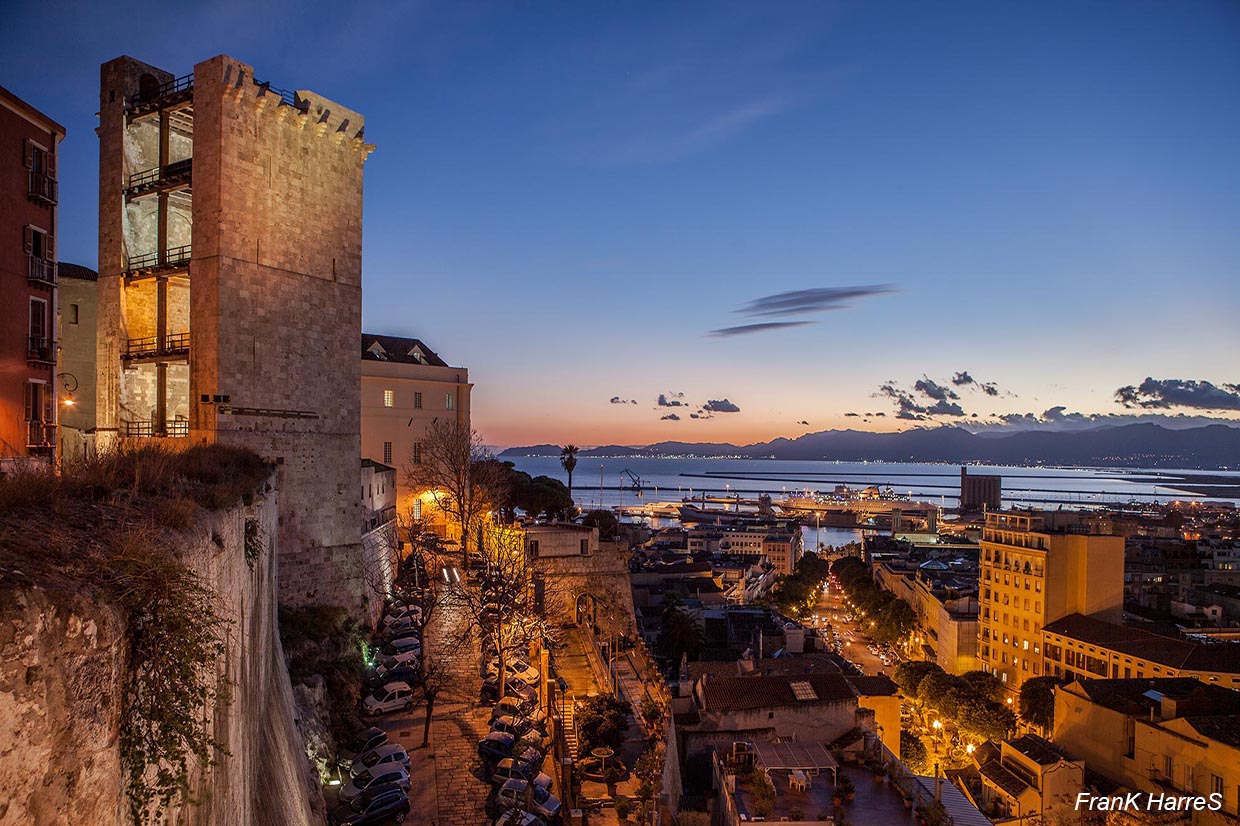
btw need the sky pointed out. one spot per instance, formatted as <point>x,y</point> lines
<point>774,214</point>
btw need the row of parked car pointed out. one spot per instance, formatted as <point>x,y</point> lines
<point>377,790</point>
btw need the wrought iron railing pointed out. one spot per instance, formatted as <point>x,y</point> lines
<point>166,89</point>
<point>42,271</point>
<point>286,97</point>
<point>40,348</point>
<point>147,346</point>
<point>172,258</point>
<point>40,434</point>
<point>172,173</point>
<point>174,429</point>
<point>42,187</point>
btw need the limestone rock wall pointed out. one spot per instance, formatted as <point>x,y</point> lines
<point>62,670</point>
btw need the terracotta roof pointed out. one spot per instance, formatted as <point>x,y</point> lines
<point>1137,697</point>
<point>873,686</point>
<point>1000,777</point>
<point>763,691</point>
<point>67,270</point>
<point>1221,729</point>
<point>1173,652</point>
<point>399,350</point>
<point>1036,749</point>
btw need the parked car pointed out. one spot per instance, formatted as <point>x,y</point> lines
<point>509,767</point>
<point>516,726</point>
<point>496,746</point>
<point>401,645</point>
<point>388,773</point>
<point>400,634</point>
<point>390,661</point>
<point>393,696</point>
<point>402,673</point>
<point>516,817</point>
<point>517,707</point>
<point>541,802</point>
<point>364,740</point>
<point>390,803</point>
<point>397,613</point>
<point>520,670</point>
<point>534,739</point>
<point>387,753</point>
<point>515,688</point>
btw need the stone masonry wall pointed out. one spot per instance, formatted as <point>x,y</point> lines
<point>62,671</point>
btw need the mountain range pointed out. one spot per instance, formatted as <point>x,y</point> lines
<point>1133,445</point>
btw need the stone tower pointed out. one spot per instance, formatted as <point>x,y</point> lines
<point>230,251</point>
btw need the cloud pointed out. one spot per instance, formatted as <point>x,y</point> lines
<point>803,422</point>
<point>618,400</point>
<point>963,379</point>
<point>816,300</point>
<point>932,389</point>
<point>854,414</point>
<point>670,417</point>
<point>1059,418</point>
<point>909,408</point>
<point>700,416</point>
<point>671,400</point>
<point>1160,394</point>
<point>945,408</point>
<point>745,329</point>
<point>720,406</point>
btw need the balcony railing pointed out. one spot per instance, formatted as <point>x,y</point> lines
<point>40,435</point>
<point>176,87</point>
<point>43,188</point>
<point>175,344</point>
<point>41,271</point>
<point>174,258</point>
<point>41,349</point>
<point>150,179</point>
<point>287,98</point>
<point>174,429</point>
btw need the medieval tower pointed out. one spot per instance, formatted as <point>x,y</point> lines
<point>230,251</point>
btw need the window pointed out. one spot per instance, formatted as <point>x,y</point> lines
<point>387,453</point>
<point>532,548</point>
<point>417,453</point>
<point>417,508</point>
<point>40,160</point>
<point>449,401</point>
<point>73,314</point>
<point>38,402</point>
<point>585,547</point>
<point>389,398</point>
<point>417,400</point>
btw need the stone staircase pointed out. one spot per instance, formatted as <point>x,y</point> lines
<point>570,726</point>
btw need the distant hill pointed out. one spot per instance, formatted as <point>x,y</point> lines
<point>1133,445</point>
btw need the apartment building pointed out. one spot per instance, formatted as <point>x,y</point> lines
<point>230,291</point>
<point>28,224</point>
<point>76,365</point>
<point>1164,736</point>
<point>405,386</point>
<point>1035,568</point>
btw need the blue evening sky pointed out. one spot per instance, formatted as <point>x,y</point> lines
<point>566,198</point>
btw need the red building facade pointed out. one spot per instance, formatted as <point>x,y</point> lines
<point>29,144</point>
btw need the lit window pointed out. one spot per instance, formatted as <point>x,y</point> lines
<point>389,398</point>
<point>417,508</point>
<point>417,453</point>
<point>417,399</point>
<point>449,401</point>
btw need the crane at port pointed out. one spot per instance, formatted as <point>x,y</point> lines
<point>635,482</point>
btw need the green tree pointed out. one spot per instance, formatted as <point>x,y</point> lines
<point>908,675</point>
<point>680,634</point>
<point>568,461</point>
<point>603,721</point>
<point>984,684</point>
<point>986,720</point>
<point>1037,701</point>
<point>913,753</point>
<point>605,521</point>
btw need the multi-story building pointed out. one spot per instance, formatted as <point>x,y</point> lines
<point>28,198</point>
<point>230,291</point>
<point>1176,737</point>
<point>1036,569</point>
<point>405,387</point>
<point>980,491</point>
<point>1028,778</point>
<point>1080,646</point>
<point>782,547</point>
<point>77,367</point>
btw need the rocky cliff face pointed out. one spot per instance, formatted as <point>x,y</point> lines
<point>64,659</point>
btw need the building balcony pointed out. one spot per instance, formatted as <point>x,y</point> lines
<point>42,189</point>
<point>160,178</point>
<point>41,272</point>
<point>173,259</point>
<point>40,349</point>
<point>40,436</point>
<point>173,347</point>
<point>170,93</point>
<point>174,430</point>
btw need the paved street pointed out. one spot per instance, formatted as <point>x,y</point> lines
<point>831,609</point>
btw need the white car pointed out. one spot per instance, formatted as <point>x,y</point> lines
<point>389,773</point>
<point>395,696</point>
<point>541,802</point>
<point>402,613</point>
<point>515,817</point>
<point>516,707</point>
<point>510,768</point>
<point>389,661</point>
<point>523,671</point>
<point>387,753</point>
<point>395,647</point>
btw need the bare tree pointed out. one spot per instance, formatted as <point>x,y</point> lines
<point>460,475</point>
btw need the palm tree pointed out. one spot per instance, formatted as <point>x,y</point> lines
<point>568,460</point>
